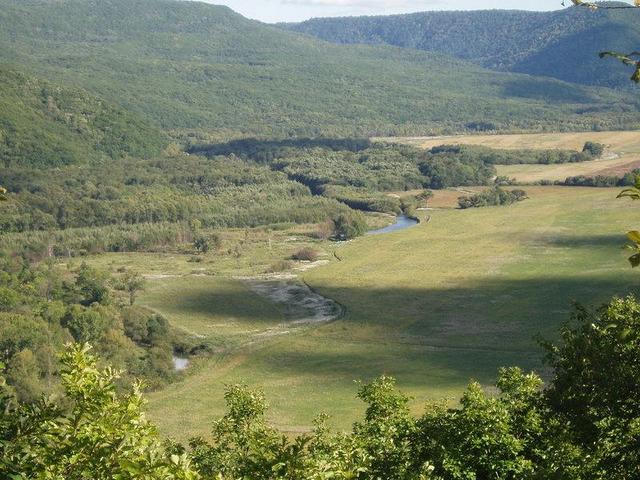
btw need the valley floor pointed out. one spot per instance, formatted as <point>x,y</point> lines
<point>622,152</point>
<point>433,305</point>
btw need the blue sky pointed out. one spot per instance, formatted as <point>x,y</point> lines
<point>296,10</point>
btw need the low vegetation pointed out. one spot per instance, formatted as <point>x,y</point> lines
<point>494,196</point>
<point>305,253</point>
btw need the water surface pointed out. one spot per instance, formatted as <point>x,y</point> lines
<point>180,363</point>
<point>402,222</point>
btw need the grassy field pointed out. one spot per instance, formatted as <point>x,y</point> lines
<point>623,152</point>
<point>434,305</point>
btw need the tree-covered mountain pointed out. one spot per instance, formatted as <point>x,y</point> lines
<point>203,72</point>
<point>563,44</point>
<point>42,124</point>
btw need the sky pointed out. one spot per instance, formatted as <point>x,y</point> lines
<point>297,10</point>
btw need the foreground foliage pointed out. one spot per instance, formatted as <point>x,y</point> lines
<point>584,425</point>
<point>95,434</point>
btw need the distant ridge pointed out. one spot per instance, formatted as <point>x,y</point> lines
<point>563,44</point>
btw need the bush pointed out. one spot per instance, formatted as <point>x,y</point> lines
<point>279,266</point>
<point>305,253</point>
<point>325,230</point>
<point>201,244</point>
<point>602,180</point>
<point>493,196</point>
<point>349,226</point>
<point>594,149</point>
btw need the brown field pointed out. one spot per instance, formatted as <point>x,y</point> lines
<point>622,154</point>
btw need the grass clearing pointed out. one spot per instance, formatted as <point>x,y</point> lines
<point>622,155</point>
<point>433,305</point>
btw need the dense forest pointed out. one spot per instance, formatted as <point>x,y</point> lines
<point>129,204</point>
<point>563,44</point>
<point>202,72</point>
<point>44,125</point>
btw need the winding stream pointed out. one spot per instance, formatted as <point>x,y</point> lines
<point>402,222</point>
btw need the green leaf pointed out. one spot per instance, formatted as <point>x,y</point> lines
<point>634,236</point>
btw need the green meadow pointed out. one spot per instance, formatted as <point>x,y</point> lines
<point>435,305</point>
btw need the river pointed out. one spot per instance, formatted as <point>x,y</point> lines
<point>402,222</point>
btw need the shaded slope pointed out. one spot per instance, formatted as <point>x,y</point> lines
<point>563,44</point>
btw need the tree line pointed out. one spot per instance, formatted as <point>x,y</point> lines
<point>45,306</point>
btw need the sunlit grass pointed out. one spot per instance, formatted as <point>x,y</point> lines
<point>433,305</point>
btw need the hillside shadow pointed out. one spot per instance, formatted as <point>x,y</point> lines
<point>584,241</point>
<point>266,150</point>
<point>546,90</point>
<point>474,314</point>
<point>448,333</point>
<point>438,334</point>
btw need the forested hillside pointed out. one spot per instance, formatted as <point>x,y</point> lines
<point>563,44</point>
<point>202,71</point>
<point>46,125</point>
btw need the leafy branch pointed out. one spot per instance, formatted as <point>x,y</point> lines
<point>3,194</point>
<point>600,6</point>
<point>634,194</point>
<point>625,58</point>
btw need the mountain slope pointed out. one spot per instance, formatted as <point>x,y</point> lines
<point>563,44</point>
<point>192,67</point>
<point>42,124</point>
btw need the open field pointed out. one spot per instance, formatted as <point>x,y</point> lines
<point>434,305</point>
<point>532,173</point>
<point>622,154</point>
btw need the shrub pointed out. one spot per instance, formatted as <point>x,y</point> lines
<point>201,244</point>
<point>305,253</point>
<point>349,226</point>
<point>325,230</point>
<point>594,149</point>
<point>279,266</point>
<point>493,196</point>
